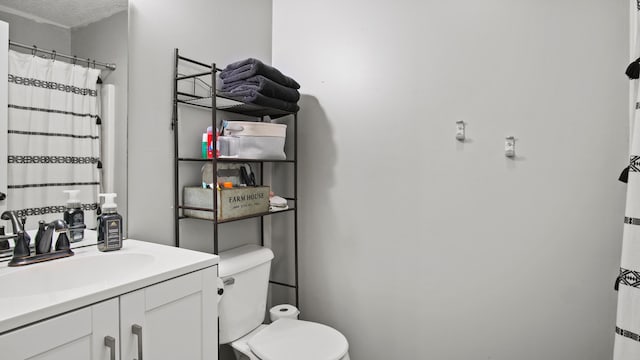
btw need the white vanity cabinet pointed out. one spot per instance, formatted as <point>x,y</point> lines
<point>78,335</point>
<point>173,319</point>
<point>176,319</point>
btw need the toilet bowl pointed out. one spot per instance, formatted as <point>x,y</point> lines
<point>287,339</point>
<point>245,274</point>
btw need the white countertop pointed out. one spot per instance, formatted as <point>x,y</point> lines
<point>25,298</point>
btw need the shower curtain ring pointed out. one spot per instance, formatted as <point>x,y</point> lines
<point>53,55</point>
<point>94,63</point>
<point>34,50</point>
<point>75,59</point>
<point>88,62</point>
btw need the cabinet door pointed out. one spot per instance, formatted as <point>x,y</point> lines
<point>176,319</point>
<point>77,335</point>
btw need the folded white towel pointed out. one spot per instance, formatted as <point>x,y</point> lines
<point>277,203</point>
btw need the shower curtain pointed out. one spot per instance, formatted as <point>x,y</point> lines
<point>627,338</point>
<point>53,137</point>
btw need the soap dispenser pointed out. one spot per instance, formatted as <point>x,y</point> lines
<point>74,216</point>
<point>109,225</point>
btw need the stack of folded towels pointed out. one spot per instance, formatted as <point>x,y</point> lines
<point>252,81</point>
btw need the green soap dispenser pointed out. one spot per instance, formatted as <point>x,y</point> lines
<point>109,225</point>
<point>74,216</point>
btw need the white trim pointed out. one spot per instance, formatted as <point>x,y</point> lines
<point>4,112</point>
<point>31,17</point>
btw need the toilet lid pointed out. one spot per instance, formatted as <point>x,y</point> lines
<point>288,339</point>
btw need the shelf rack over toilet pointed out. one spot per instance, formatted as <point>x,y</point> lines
<point>215,102</point>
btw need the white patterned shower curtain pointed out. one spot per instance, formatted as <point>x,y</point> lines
<point>627,338</point>
<point>53,137</point>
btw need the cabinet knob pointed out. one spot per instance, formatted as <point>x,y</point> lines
<point>110,342</point>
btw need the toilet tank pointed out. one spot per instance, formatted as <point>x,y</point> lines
<point>245,271</point>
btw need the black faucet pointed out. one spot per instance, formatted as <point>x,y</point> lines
<point>44,238</point>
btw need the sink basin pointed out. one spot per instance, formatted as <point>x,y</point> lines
<point>75,272</point>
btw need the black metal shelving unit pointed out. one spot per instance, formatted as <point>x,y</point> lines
<point>214,102</point>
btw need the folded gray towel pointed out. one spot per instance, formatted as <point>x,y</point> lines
<point>247,68</point>
<point>264,86</point>
<point>254,97</point>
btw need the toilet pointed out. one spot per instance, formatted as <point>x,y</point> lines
<point>245,273</point>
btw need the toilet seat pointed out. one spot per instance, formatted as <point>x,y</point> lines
<point>288,339</point>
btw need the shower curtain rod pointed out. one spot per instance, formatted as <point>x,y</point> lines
<point>55,54</point>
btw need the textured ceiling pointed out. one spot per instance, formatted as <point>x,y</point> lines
<point>68,13</point>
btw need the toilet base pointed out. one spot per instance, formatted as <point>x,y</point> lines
<point>241,347</point>
<point>251,356</point>
<point>243,356</point>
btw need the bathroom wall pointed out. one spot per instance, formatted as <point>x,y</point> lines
<point>106,40</point>
<point>218,31</point>
<point>417,246</point>
<point>43,35</point>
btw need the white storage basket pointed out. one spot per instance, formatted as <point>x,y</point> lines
<point>258,140</point>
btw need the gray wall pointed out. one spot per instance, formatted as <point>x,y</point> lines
<point>42,35</point>
<point>416,246</point>
<point>106,41</point>
<point>206,31</point>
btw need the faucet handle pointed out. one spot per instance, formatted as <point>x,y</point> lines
<point>63,242</point>
<point>23,221</point>
<point>21,248</point>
